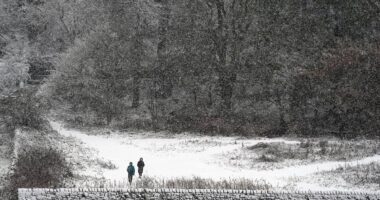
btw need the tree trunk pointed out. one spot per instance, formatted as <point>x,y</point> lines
<point>136,92</point>
<point>195,97</point>
<point>163,73</point>
<point>283,126</point>
<point>226,76</point>
<point>108,119</point>
<point>226,84</point>
<point>138,53</point>
<point>210,101</point>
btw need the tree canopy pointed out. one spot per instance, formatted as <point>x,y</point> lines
<point>233,66</point>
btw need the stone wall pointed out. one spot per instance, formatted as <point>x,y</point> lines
<point>179,194</point>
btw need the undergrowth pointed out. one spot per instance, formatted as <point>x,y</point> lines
<point>360,174</point>
<point>315,150</point>
<point>180,183</point>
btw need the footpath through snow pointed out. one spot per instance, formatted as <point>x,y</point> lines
<point>177,157</point>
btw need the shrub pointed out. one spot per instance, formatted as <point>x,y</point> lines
<point>260,145</point>
<point>106,164</point>
<point>323,144</point>
<point>306,144</point>
<point>267,158</point>
<point>6,194</point>
<point>23,109</point>
<point>139,124</point>
<point>40,167</point>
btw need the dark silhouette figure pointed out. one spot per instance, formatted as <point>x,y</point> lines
<point>140,166</point>
<point>131,172</point>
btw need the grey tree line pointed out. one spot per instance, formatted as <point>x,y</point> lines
<point>252,67</point>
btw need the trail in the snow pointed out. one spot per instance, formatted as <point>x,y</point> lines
<point>175,157</point>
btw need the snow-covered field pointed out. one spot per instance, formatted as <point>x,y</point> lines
<point>188,156</point>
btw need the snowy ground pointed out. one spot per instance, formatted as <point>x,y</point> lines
<point>187,156</point>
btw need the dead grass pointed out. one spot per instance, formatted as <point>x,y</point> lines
<point>366,176</point>
<point>277,155</point>
<point>315,150</point>
<point>179,183</point>
<point>360,174</point>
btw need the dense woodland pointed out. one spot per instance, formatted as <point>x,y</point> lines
<point>249,67</point>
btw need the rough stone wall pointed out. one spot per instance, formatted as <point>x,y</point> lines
<point>179,194</point>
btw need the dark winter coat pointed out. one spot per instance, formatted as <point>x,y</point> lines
<point>141,164</point>
<point>131,170</point>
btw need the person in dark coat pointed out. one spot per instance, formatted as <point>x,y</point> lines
<point>131,172</point>
<point>140,166</point>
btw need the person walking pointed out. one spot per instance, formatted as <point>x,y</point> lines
<point>140,166</point>
<point>131,172</point>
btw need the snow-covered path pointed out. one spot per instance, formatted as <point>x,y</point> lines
<point>188,156</point>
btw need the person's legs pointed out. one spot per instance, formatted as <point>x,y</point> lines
<point>130,179</point>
